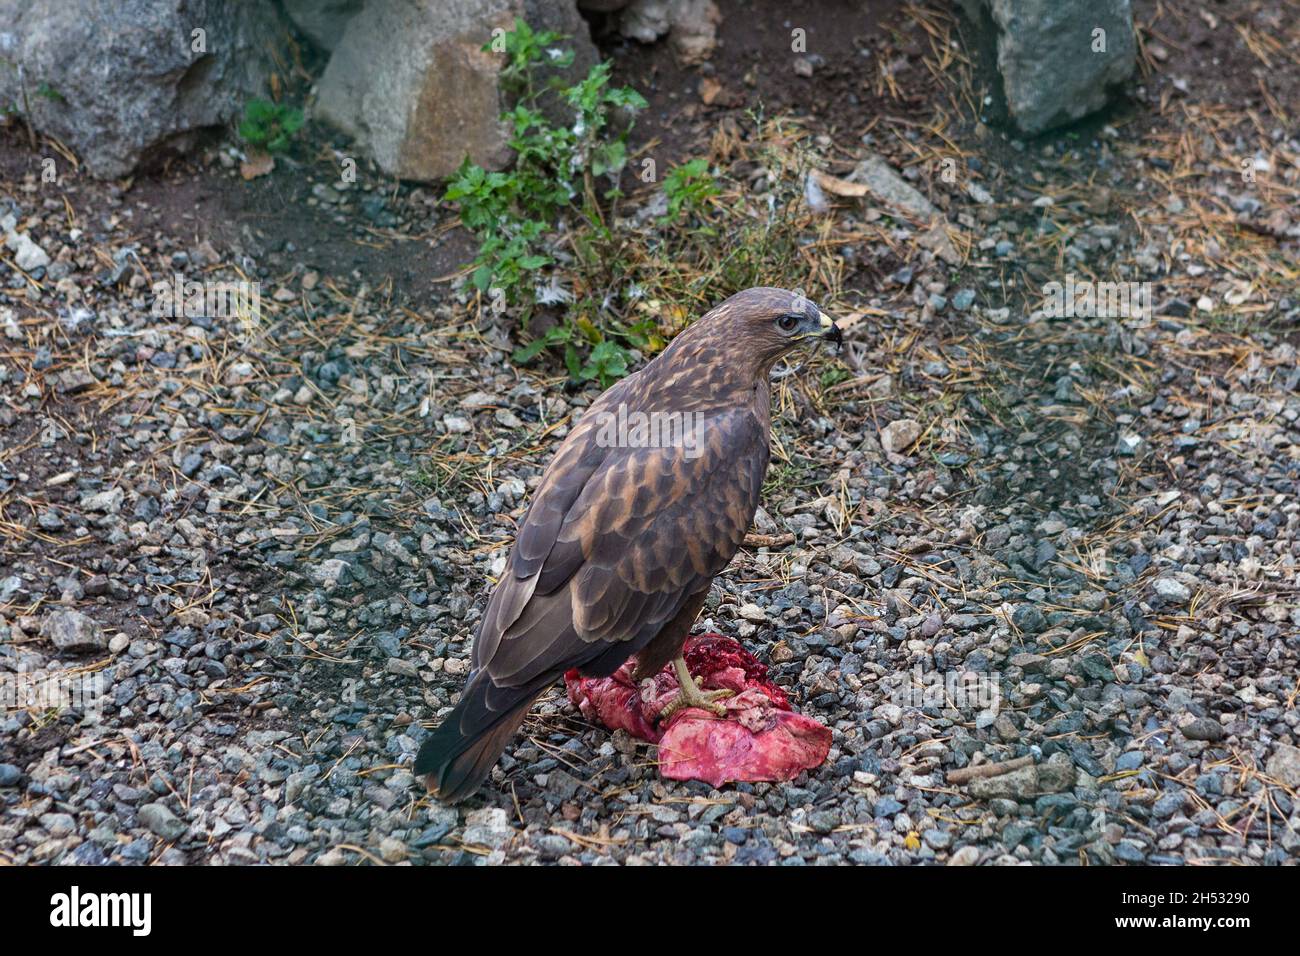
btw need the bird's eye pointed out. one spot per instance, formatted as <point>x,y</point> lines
<point>787,323</point>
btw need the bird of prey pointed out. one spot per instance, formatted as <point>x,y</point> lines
<point>622,539</point>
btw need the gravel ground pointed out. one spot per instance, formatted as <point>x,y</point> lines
<point>271,544</point>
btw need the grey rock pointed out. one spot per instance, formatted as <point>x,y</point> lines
<point>108,501</point>
<point>1168,804</point>
<point>1055,68</point>
<point>322,21</point>
<point>487,827</point>
<point>58,824</point>
<point>1284,765</point>
<point>1171,590</point>
<point>162,821</point>
<point>28,255</point>
<point>937,839</point>
<point>1029,619</point>
<point>1129,852</point>
<point>1129,760</point>
<point>330,573</point>
<point>552,846</point>
<point>1203,728</point>
<point>71,630</point>
<point>10,586</point>
<point>125,79</point>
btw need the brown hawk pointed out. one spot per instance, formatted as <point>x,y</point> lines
<point>626,531</point>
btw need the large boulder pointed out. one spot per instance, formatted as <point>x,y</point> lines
<point>322,21</point>
<point>116,81</point>
<point>691,26</point>
<point>1059,59</point>
<point>410,81</point>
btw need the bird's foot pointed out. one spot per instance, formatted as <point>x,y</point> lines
<point>690,695</point>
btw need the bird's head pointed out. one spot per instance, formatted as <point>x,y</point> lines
<point>771,321</point>
<point>741,338</point>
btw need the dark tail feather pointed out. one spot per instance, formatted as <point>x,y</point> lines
<point>459,755</point>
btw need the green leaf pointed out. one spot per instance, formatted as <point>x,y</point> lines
<point>526,353</point>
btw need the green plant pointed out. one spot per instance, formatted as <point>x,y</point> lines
<point>688,187</point>
<point>524,49</point>
<point>269,125</point>
<point>556,168</point>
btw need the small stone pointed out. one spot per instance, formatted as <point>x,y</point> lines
<point>1203,728</point>
<point>58,824</point>
<point>887,807</point>
<point>966,856</point>
<point>1129,445</point>
<point>487,827</point>
<point>330,573</point>
<point>401,668</point>
<point>899,435</point>
<point>562,785</point>
<point>1129,760</point>
<point>552,846</point>
<point>1029,619</point>
<point>1029,663</point>
<point>71,630</point>
<point>937,839</point>
<point>1169,804</point>
<point>388,642</point>
<point>1129,852</point>
<point>823,821</point>
<point>107,502</point>
<point>1172,590</point>
<point>27,254</point>
<point>162,821</point>
<point>1284,765</point>
<point>326,193</point>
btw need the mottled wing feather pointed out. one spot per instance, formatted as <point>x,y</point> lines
<point>643,531</point>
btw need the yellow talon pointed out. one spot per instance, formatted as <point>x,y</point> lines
<point>690,695</point>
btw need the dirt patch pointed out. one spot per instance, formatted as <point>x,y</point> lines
<point>756,69</point>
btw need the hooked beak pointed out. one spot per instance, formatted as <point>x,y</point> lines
<point>830,331</point>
